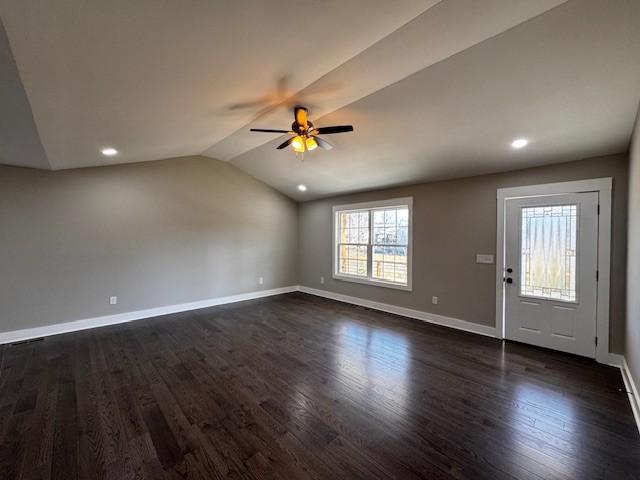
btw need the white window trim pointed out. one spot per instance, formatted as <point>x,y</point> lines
<point>394,202</point>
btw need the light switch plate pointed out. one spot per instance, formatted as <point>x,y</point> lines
<point>484,258</point>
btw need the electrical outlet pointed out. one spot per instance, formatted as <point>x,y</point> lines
<point>322,280</point>
<point>113,300</point>
<point>434,300</point>
<point>260,280</point>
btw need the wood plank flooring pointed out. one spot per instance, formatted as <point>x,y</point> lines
<point>299,387</point>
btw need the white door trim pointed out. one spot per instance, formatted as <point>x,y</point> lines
<point>603,187</point>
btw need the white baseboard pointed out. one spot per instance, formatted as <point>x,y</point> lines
<point>37,332</point>
<point>406,312</point>
<point>632,390</point>
<point>615,360</point>
<point>630,385</point>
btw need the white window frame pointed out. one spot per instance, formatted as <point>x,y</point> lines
<point>369,280</point>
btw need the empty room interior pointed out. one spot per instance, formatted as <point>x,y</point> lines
<point>357,239</point>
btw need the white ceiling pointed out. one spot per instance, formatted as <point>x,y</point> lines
<point>157,79</point>
<point>434,89</point>
<point>569,81</point>
<point>19,139</point>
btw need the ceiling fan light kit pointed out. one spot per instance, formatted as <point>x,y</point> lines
<point>304,135</point>
<point>311,144</point>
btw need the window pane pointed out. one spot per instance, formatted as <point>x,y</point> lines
<point>548,256</point>
<point>389,240</point>
<point>363,235</point>
<point>400,255</point>
<point>389,271</point>
<point>362,268</point>
<point>403,235</point>
<point>390,218</point>
<point>354,232</point>
<point>354,227</point>
<point>378,234</point>
<point>353,267</point>
<point>378,269</point>
<point>390,235</point>
<point>343,235</point>
<point>400,273</point>
<point>391,227</point>
<point>344,221</point>
<point>342,265</point>
<point>403,217</point>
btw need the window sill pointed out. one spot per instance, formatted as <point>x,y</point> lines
<point>373,283</point>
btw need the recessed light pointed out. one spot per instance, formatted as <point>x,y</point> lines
<point>520,143</point>
<point>109,152</point>
<point>302,188</point>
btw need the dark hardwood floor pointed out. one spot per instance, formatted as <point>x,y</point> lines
<point>301,387</point>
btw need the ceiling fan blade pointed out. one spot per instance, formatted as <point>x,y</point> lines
<point>334,129</point>
<point>285,144</point>
<point>269,130</point>
<point>323,143</point>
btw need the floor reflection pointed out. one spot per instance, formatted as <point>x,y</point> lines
<point>541,422</point>
<point>372,366</point>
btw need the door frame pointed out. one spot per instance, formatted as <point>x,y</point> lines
<point>603,187</point>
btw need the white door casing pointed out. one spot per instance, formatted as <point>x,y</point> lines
<point>551,248</point>
<point>603,186</point>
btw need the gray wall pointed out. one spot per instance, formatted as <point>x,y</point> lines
<point>632,347</point>
<point>453,221</point>
<point>187,229</point>
<point>154,234</point>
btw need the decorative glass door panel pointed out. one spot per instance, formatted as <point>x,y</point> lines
<point>548,252</point>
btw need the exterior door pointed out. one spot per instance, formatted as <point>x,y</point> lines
<point>551,247</point>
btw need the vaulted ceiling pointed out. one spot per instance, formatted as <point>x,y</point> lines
<point>435,89</point>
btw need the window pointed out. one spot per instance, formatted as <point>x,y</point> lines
<point>548,256</point>
<point>372,243</point>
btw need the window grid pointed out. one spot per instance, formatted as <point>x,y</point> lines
<point>373,244</point>
<point>353,244</point>
<point>390,244</point>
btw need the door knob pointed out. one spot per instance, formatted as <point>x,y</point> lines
<point>509,270</point>
<point>509,280</point>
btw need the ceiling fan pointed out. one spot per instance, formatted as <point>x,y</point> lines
<point>304,135</point>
